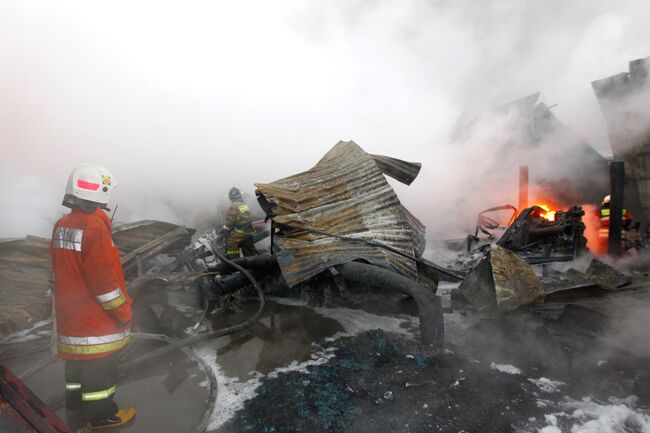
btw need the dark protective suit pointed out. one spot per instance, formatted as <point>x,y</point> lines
<point>240,225</point>
<point>603,231</point>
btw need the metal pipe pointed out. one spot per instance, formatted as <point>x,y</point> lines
<point>523,187</point>
<point>551,230</point>
<point>617,182</point>
<point>432,327</point>
<point>232,283</point>
<point>431,320</point>
<point>544,260</point>
<point>264,262</point>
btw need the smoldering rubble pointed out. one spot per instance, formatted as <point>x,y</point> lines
<point>346,321</point>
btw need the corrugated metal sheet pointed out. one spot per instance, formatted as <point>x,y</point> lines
<point>405,172</point>
<point>344,195</point>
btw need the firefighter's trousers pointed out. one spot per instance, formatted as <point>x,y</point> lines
<point>236,241</point>
<point>90,387</point>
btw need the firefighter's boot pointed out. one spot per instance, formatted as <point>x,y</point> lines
<point>122,417</point>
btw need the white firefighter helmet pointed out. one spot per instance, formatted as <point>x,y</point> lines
<point>90,182</point>
<point>606,199</point>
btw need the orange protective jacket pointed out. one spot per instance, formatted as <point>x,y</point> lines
<point>93,309</point>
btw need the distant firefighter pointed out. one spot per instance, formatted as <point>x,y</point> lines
<point>238,227</point>
<point>93,309</point>
<point>603,231</point>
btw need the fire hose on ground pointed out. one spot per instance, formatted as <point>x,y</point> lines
<point>208,335</point>
<point>430,313</point>
<point>429,310</point>
<point>179,344</point>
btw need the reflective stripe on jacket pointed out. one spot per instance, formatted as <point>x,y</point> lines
<point>605,214</point>
<point>93,310</point>
<point>603,231</point>
<point>239,219</point>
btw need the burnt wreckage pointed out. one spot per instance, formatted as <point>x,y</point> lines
<point>339,227</point>
<point>499,272</point>
<point>334,226</point>
<point>538,235</point>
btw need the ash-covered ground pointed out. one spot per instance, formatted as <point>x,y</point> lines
<point>301,368</point>
<point>522,372</point>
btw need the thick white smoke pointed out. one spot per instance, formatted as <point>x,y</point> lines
<point>181,100</point>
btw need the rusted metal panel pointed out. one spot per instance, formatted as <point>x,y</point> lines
<point>344,196</point>
<point>515,282</point>
<point>405,172</point>
<point>502,281</point>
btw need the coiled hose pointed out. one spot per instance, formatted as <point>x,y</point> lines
<point>178,344</point>
<point>208,335</point>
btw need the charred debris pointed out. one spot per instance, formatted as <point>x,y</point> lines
<point>334,226</point>
<point>338,235</point>
<point>335,235</point>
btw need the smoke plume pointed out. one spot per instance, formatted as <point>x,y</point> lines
<point>181,101</point>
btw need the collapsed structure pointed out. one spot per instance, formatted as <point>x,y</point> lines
<point>500,280</point>
<point>562,164</point>
<point>625,101</point>
<point>342,210</point>
<point>341,221</point>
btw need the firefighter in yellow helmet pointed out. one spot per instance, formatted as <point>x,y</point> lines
<point>238,227</point>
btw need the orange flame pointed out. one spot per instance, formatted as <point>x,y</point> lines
<point>549,214</point>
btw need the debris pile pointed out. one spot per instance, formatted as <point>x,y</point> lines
<point>541,235</point>
<point>534,329</point>
<point>342,210</point>
<point>337,223</point>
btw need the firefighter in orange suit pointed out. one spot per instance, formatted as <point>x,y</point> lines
<point>93,309</point>
<point>238,227</point>
<point>603,231</point>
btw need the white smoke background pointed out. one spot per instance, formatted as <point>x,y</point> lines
<point>182,100</point>
<point>627,113</point>
<point>26,206</point>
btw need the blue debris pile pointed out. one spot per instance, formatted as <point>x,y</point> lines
<point>377,383</point>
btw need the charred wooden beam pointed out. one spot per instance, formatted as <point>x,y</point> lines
<point>523,187</point>
<point>617,179</point>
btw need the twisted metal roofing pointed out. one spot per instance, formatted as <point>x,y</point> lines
<point>344,196</point>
